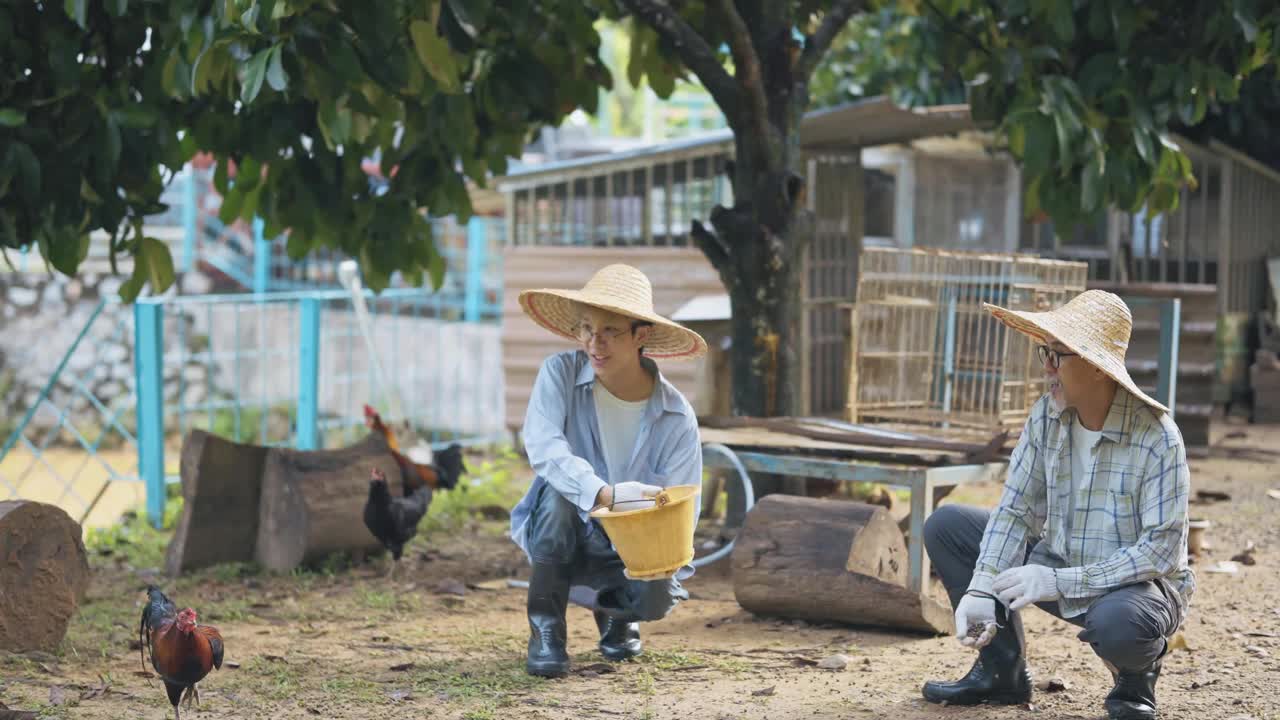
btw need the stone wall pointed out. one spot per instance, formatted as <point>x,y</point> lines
<point>449,373</point>
<point>40,318</point>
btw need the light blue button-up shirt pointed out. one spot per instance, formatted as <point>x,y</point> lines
<point>562,439</point>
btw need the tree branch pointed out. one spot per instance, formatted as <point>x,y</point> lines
<point>817,44</point>
<point>692,49</point>
<point>747,68</point>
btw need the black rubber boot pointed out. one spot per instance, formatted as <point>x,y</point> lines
<point>1134,696</point>
<point>548,599</point>
<point>618,640</point>
<point>999,676</point>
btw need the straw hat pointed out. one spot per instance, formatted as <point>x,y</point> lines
<point>619,289</point>
<point>1095,325</point>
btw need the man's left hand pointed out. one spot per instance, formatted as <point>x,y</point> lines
<point>1019,587</point>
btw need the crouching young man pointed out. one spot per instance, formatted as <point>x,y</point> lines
<point>603,428</point>
<point>1092,526</point>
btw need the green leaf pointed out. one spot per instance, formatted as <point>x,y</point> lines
<point>255,71</point>
<point>1146,149</point>
<point>28,170</point>
<point>159,262</point>
<point>249,19</point>
<point>1064,23</point>
<point>248,173</point>
<point>470,14</point>
<point>12,117</point>
<point>67,251</point>
<point>436,55</point>
<point>118,8</point>
<point>1091,182</point>
<point>220,171</point>
<point>1039,144</point>
<point>232,201</point>
<point>277,78</point>
<point>1244,15</point>
<point>78,11</point>
<point>88,193</point>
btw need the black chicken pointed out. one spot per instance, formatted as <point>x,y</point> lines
<point>394,520</point>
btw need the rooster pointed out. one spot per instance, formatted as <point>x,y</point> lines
<point>420,467</point>
<point>182,652</point>
<point>394,520</point>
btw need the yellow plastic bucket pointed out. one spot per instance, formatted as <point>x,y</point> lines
<point>654,541</point>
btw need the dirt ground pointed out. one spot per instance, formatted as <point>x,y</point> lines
<point>447,640</point>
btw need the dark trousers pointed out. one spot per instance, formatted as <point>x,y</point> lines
<point>557,535</point>
<point>1127,627</point>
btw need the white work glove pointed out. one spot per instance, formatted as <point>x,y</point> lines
<point>630,496</point>
<point>1019,587</point>
<point>975,611</point>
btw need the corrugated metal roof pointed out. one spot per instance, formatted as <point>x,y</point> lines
<point>865,123</point>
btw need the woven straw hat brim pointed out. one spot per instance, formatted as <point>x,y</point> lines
<point>557,311</point>
<point>1077,326</point>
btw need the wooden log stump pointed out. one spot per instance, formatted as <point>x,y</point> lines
<point>829,560</point>
<point>312,503</point>
<point>221,483</point>
<point>44,573</point>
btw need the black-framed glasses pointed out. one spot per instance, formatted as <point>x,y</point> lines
<point>1051,356</point>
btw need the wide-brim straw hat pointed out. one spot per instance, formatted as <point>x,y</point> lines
<point>619,289</point>
<point>1095,325</point>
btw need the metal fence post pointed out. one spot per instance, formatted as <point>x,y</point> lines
<point>261,257</point>
<point>190,199</point>
<point>309,375</point>
<point>148,362</point>
<point>1167,374</point>
<point>477,252</point>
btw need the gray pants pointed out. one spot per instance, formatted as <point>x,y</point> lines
<point>557,535</point>
<point>1127,627</point>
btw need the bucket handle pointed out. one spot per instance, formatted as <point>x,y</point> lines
<point>658,500</point>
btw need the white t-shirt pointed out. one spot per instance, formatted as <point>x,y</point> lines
<point>1082,441</point>
<point>619,425</point>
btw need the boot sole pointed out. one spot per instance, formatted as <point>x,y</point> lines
<point>547,670</point>
<point>993,699</point>
<point>619,655</point>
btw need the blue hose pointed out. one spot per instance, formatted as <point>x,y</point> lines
<point>749,498</point>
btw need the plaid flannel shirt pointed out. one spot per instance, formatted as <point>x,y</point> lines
<point>1129,522</point>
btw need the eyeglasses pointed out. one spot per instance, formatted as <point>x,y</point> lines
<point>1051,356</point>
<point>606,334</point>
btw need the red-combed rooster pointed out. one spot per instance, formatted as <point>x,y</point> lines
<point>442,470</point>
<point>182,652</point>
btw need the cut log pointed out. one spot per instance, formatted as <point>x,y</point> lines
<point>44,573</point>
<point>312,502</point>
<point>221,482</point>
<point>830,561</point>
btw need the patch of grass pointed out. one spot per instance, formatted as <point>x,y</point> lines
<point>490,486</point>
<point>349,688</point>
<point>133,540</point>
<point>275,680</point>
<point>490,681</point>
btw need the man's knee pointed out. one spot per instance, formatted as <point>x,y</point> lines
<point>656,599</point>
<point>553,531</point>
<point>1123,633</point>
<point>941,527</point>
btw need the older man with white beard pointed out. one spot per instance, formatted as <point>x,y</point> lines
<point>1091,527</point>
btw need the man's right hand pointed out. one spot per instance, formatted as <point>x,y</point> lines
<point>632,494</point>
<point>974,611</point>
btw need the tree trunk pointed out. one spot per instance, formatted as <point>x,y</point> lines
<point>44,574</point>
<point>829,560</point>
<point>313,502</point>
<point>221,485</point>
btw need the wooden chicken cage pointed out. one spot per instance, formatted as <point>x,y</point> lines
<point>923,350</point>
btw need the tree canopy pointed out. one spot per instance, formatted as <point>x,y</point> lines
<point>1084,94</point>
<point>102,100</point>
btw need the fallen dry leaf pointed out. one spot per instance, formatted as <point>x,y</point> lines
<point>1053,684</point>
<point>1258,651</point>
<point>398,695</point>
<point>834,662</point>
<point>102,688</point>
<point>450,586</point>
<point>1224,567</point>
<point>764,692</point>
<point>499,584</point>
<point>1212,496</point>
<point>598,668</point>
<point>275,658</point>
<point>1273,494</point>
<point>403,667</point>
<point>232,665</point>
<point>57,696</point>
<point>1206,683</point>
